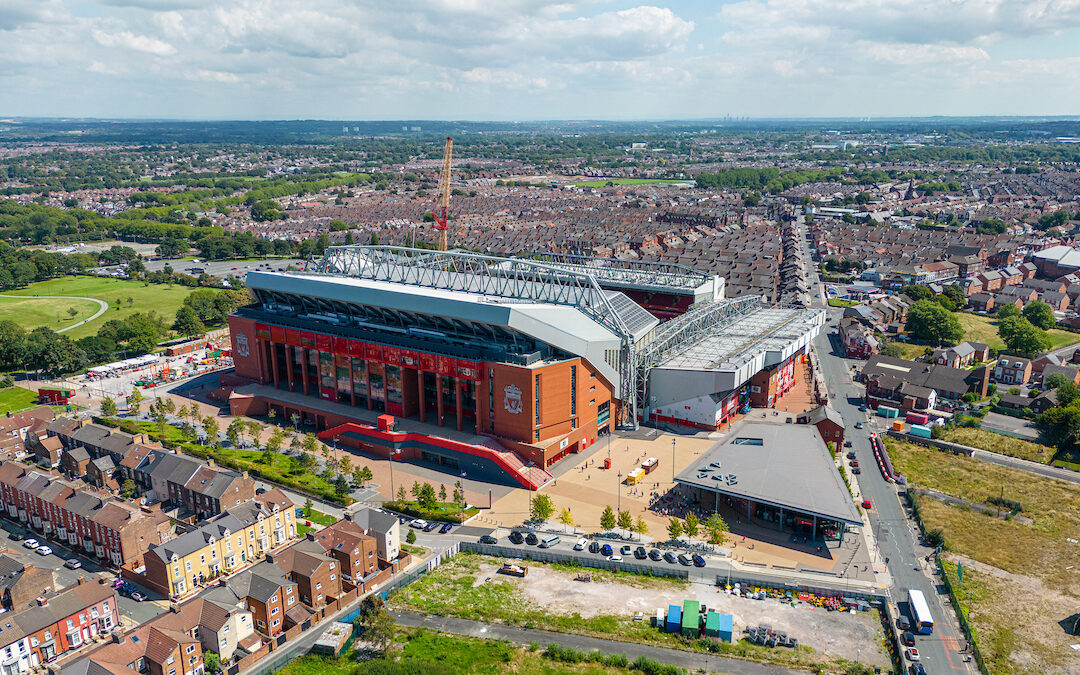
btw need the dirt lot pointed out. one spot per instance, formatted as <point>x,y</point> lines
<point>836,635</point>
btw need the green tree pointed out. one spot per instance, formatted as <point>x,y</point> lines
<point>930,322</point>
<point>956,294</point>
<point>311,443</point>
<point>401,496</point>
<point>674,528</point>
<point>411,536</point>
<point>442,492</point>
<point>212,662</point>
<point>108,407</point>
<point>187,323</point>
<point>1006,311</point>
<point>235,431</point>
<point>917,293</point>
<point>128,489</point>
<point>625,520</point>
<point>717,528</point>
<point>641,527</point>
<point>14,350</point>
<point>1040,315</point>
<point>690,525</point>
<point>607,519</point>
<point>341,486</point>
<point>945,302</point>
<point>542,507</point>
<point>1021,337</point>
<point>427,497</point>
<point>565,517</point>
<point>891,348</point>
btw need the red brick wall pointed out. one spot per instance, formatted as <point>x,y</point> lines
<point>247,351</point>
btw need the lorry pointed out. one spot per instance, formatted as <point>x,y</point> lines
<point>634,477</point>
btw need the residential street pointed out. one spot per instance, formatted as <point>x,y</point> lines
<point>895,532</point>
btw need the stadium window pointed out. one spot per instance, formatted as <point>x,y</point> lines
<point>573,390</point>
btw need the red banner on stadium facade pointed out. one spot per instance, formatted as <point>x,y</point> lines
<point>410,358</point>
<point>341,345</point>
<point>277,333</point>
<point>391,355</point>
<point>262,331</point>
<point>428,362</point>
<point>446,365</point>
<point>323,343</point>
<point>373,352</point>
<point>292,337</point>
<point>356,349</point>
<point>470,370</point>
<point>307,339</point>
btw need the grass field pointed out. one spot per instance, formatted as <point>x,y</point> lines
<point>1039,550</point>
<point>631,181</point>
<point>420,651</point>
<point>1000,443</point>
<point>163,299</point>
<point>31,312</point>
<point>978,328</point>
<point>14,399</point>
<point>443,511</point>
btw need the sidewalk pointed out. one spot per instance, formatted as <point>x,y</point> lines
<point>692,661</point>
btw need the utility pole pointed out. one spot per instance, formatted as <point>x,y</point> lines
<point>673,462</point>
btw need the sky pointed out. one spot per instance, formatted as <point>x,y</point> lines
<point>536,60</point>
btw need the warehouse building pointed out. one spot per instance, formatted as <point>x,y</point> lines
<point>490,367</point>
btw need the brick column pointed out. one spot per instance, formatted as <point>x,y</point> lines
<point>304,369</point>
<point>352,387</point>
<point>367,368</point>
<point>290,355</point>
<point>438,397</point>
<point>457,400</point>
<point>273,364</point>
<point>423,403</point>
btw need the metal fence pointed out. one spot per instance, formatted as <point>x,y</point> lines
<point>572,558</point>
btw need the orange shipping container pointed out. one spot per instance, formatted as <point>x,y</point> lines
<point>898,425</point>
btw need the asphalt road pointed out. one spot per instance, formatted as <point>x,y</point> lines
<point>894,531</point>
<point>693,662</point>
<point>136,612</point>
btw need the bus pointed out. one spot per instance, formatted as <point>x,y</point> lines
<point>920,612</point>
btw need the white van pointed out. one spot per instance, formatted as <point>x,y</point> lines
<point>549,541</point>
<point>581,544</point>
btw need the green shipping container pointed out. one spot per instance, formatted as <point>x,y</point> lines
<point>691,618</point>
<point>712,624</point>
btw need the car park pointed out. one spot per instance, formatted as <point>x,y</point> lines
<point>488,539</point>
<point>907,638</point>
<point>72,564</point>
<point>581,544</point>
<point>445,528</point>
<point>656,555</point>
<point>516,538</point>
<point>670,557</point>
<point>606,550</point>
<point>31,543</point>
<point>594,547</point>
<point>43,550</point>
<point>640,553</point>
<point>698,561</point>
<point>531,539</point>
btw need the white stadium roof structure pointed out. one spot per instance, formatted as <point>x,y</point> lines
<point>477,305</point>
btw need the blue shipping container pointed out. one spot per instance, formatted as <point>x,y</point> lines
<point>727,627</point>
<point>674,619</point>
<point>919,430</point>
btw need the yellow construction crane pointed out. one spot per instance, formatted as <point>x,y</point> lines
<point>442,209</point>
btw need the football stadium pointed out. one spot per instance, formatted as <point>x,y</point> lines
<point>499,368</point>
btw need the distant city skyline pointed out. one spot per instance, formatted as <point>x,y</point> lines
<point>534,60</point>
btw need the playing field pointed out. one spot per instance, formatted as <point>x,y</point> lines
<point>124,298</point>
<point>984,329</point>
<point>14,399</point>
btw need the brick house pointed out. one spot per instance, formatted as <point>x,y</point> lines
<point>828,422</point>
<point>1012,370</point>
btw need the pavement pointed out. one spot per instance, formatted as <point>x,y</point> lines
<point>895,532</point>
<point>693,662</point>
<point>1012,426</point>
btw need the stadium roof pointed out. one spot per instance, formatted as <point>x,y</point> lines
<point>784,465</point>
<point>662,277</point>
<point>760,331</point>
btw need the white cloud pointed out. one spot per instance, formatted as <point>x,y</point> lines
<point>138,43</point>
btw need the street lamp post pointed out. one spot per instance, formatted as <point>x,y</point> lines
<point>618,490</point>
<point>673,461</point>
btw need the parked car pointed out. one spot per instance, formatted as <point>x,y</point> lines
<point>856,471</point>
<point>615,558</point>
<point>594,547</point>
<point>445,528</point>
<point>43,550</point>
<point>581,544</point>
<point>670,557</point>
<point>656,555</point>
<point>851,455</point>
<point>138,596</point>
<point>912,654</point>
<point>866,504</point>
<point>698,561</point>
<point>488,539</point>
<point>640,553</point>
<point>685,560</point>
<point>847,444</point>
<point>907,638</point>
<point>855,463</point>
<point>531,539</point>
<point>31,543</point>
<point>606,550</point>
<point>72,564</point>
<point>858,425</point>
<point>418,524</point>
<point>516,537</point>
<point>916,669</point>
<point>903,623</point>
<point>626,549</point>
<point>16,536</point>
<point>862,408</point>
<point>431,527</point>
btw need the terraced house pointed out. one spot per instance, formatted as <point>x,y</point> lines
<point>117,532</point>
<point>236,539</point>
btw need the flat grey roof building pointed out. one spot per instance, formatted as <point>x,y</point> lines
<point>781,465</point>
